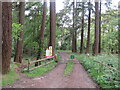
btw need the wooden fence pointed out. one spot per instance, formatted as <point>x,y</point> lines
<point>37,61</point>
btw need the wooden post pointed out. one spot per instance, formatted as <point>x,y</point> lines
<point>55,57</point>
<point>28,64</point>
<point>45,61</point>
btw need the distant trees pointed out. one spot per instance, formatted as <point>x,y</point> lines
<point>32,27</point>
<point>6,36</point>
<point>64,27</point>
<point>97,34</point>
<point>52,25</point>
<point>96,38</point>
<point>19,48</point>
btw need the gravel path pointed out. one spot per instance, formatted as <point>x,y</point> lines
<point>56,79</point>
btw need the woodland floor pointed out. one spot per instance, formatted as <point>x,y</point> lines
<point>56,78</point>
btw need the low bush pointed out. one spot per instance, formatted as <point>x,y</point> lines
<point>102,68</point>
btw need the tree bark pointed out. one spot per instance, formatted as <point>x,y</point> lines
<point>52,25</point>
<point>19,48</point>
<point>88,36</point>
<point>0,36</point>
<point>42,29</point>
<point>73,31</point>
<point>41,37</point>
<point>6,36</point>
<point>96,38</point>
<point>100,29</point>
<point>82,30</point>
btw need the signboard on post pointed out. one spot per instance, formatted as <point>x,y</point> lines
<point>50,48</point>
<point>49,52</point>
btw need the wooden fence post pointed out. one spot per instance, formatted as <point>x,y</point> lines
<point>28,64</point>
<point>55,57</point>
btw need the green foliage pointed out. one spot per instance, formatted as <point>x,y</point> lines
<point>41,70</point>
<point>69,68</point>
<point>109,35</point>
<point>10,77</point>
<point>112,42</point>
<point>16,29</point>
<point>106,77</point>
<point>32,28</point>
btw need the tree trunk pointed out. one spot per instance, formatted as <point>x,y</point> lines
<point>88,36</point>
<point>6,36</point>
<point>112,49</point>
<point>0,36</point>
<point>118,36</point>
<point>41,37</point>
<point>100,29</point>
<point>82,30</point>
<point>19,48</point>
<point>75,46</point>
<point>52,25</point>
<point>96,38</point>
<point>73,31</point>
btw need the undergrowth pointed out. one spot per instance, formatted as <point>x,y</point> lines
<point>105,77</point>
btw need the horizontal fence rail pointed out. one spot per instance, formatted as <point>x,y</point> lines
<point>41,65</point>
<point>37,61</point>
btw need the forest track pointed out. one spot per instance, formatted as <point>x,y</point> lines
<point>56,78</point>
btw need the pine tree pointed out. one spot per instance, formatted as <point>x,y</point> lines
<point>52,25</point>
<point>0,36</point>
<point>96,38</point>
<point>6,36</point>
<point>19,48</point>
<point>89,21</point>
<point>82,30</point>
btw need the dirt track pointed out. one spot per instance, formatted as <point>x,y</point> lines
<point>56,79</point>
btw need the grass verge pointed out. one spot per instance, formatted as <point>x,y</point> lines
<point>41,70</point>
<point>10,77</point>
<point>63,51</point>
<point>69,68</point>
